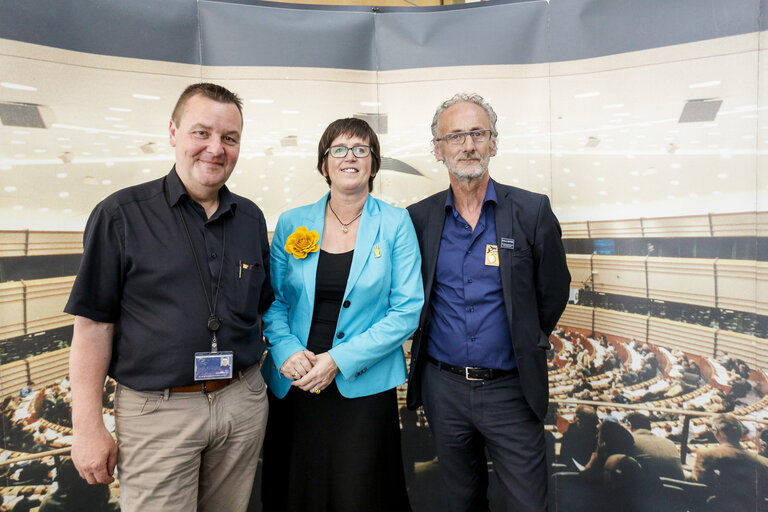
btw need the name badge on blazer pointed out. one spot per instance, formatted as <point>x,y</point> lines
<point>508,243</point>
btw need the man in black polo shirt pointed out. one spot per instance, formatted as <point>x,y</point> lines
<point>173,280</point>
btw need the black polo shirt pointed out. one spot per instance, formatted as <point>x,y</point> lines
<point>138,272</point>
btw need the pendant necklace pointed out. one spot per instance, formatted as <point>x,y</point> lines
<point>344,227</point>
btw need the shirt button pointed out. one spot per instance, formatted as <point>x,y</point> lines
<point>346,304</point>
<point>340,335</point>
<point>213,255</point>
<point>471,309</point>
<point>469,280</point>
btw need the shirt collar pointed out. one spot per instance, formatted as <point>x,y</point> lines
<point>490,197</point>
<point>176,191</point>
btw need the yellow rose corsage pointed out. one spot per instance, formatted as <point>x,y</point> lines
<point>302,242</point>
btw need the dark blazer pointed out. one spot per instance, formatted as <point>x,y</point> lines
<point>534,276</point>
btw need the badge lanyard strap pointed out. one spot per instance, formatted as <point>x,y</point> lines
<point>213,321</point>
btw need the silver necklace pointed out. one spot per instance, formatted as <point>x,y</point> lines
<point>344,227</point>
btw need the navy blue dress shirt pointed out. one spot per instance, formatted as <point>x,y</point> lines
<point>468,321</point>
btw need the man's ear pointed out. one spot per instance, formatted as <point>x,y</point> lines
<point>436,151</point>
<point>172,133</point>
<point>493,147</point>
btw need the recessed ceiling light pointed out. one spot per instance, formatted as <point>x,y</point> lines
<point>675,166</point>
<point>539,175</point>
<point>571,184</point>
<point>119,126</point>
<point>674,182</point>
<point>61,175</point>
<point>44,209</point>
<point>603,193</point>
<point>711,83</point>
<point>20,132</point>
<point>722,175</point>
<point>566,170</point>
<point>63,194</point>
<point>146,171</point>
<point>265,189</point>
<point>515,180</point>
<point>586,95</point>
<point>106,182</point>
<point>715,192</point>
<point>370,103</point>
<point>18,142</point>
<point>531,162</point>
<point>289,112</point>
<point>20,155</point>
<point>40,150</point>
<point>264,101</point>
<point>19,87</point>
<point>67,210</point>
<point>692,194</point>
<point>574,197</point>
<point>119,109</point>
<point>10,188</point>
<point>288,200</point>
<point>146,97</point>
<point>596,163</point>
<point>18,207</point>
<point>287,189</point>
<point>600,179</point>
<point>614,105</point>
<point>635,188</point>
<point>109,164</point>
<point>110,118</point>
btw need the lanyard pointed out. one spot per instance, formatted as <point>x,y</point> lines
<point>214,322</point>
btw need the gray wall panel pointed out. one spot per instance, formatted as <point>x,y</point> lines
<point>142,29</point>
<point>242,35</point>
<point>486,35</point>
<point>583,29</point>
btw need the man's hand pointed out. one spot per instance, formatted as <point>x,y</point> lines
<point>95,455</point>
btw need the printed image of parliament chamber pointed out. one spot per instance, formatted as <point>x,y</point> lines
<point>644,122</point>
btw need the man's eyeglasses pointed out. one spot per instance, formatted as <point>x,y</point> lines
<point>457,138</point>
<point>341,151</point>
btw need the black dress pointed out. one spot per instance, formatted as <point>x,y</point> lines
<point>327,453</point>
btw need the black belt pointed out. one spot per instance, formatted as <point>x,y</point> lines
<point>472,373</point>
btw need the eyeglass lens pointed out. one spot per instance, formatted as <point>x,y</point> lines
<point>460,137</point>
<point>341,151</point>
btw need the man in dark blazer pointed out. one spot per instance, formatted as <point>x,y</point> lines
<point>495,284</point>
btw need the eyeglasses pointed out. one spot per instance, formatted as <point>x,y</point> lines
<point>457,138</point>
<point>341,151</point>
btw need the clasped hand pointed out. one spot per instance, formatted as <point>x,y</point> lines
<point>309,371</point>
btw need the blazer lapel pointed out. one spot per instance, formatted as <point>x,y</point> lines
<point>367,232</point>
<point>433,233</point>
<point>315,222</point>
<point>504,229</point>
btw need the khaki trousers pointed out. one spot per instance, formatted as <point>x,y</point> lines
<point>190,452</point>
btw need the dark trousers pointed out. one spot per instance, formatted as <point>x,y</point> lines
<point>468,417</point>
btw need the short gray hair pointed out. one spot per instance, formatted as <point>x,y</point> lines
<point>463,97</point>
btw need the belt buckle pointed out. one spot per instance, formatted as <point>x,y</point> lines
<point>466,373</point>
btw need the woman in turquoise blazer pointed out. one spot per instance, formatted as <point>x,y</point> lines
<point>348,294</point>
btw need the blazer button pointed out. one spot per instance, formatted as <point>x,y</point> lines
<point>340,335</point>
<point>346,304</point>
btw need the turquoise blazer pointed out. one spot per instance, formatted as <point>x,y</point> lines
<point>382,300</point>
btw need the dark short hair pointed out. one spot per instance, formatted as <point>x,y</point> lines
<point>211,91</point>
<point>355,128</point>
<point>638,420</point>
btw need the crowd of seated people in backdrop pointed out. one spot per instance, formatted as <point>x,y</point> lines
<point>597,453</point>
<point>608,456</point>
